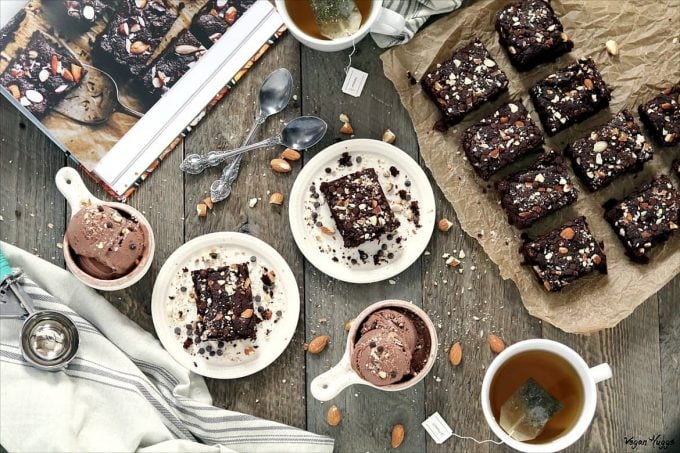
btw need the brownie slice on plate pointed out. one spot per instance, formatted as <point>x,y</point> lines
<point>565,254</point>
<point>609,151</point>
<point>645,218</point>
<point>501,138</point>
<point>359,207</point>
<point>661,115</point>
<point>570,96</point>
<point>532,194</point>
<point>464,82</point>
<point>41,75</point>
<point>531,33</point>
<point>215,18</point>
<point>224,301</point>
<point>676,167</point>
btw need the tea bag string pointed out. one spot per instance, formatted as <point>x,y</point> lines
<point>477,441</point>
<point>354,49</point>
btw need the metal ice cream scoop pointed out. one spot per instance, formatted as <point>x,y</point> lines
<point>49,340</point>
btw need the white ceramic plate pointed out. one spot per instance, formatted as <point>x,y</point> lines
<point>172,307</point>
<point>327,252</point>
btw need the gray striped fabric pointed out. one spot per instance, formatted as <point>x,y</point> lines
<point>122,392</point>
<point>416,13</point>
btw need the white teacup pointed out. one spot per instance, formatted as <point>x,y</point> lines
<point>380,20</point>
<point>588,376</point>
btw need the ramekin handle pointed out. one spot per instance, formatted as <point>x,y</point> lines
<point>72,187</point>
<point>328,385</point>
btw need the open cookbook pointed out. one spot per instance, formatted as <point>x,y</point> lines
<point>117,83</point>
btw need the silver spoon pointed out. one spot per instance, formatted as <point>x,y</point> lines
<point>94,100</point>
<point>275,95</point>
<point>301,133</point>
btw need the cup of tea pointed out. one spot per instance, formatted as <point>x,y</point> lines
<point>565,381</point>
<point>391,346</point>
<point>301,20</point>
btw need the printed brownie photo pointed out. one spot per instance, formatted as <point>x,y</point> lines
<point>464,82</point>
<point>661,115</point>
<point>531,33</point>
<point>609,151</point>
<point>676,167</point>
<point>359,207</point>
<point>224,302</point>
<point>501,139</point>
<point>85,12</point>
<point>564,255</point>
<point>41,74</point>
<point>215,18</point>
<point>645,218</point>
<point>532,194</point>
<point>570,95</point>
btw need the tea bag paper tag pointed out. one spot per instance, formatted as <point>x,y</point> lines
<point>354,82</point>
<point>437,428</point>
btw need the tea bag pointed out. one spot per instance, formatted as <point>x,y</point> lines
<point>336,18</point>
<point>527,411</point>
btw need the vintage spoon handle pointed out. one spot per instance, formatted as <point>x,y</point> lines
<point>195,163</point>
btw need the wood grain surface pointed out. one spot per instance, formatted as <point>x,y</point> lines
<point>642,400</point>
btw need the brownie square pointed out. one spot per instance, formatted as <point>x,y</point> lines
<point>224,302</point>
<point>661,115</point>
<point>532,194</point>
<point>501,138</point>
<point>464,82</point>
<point>565,254</point>
<point>676,167</point>
<point>609,151</point>
<point>215,18</point>
<point>645,218</point>
<point>133,35</point>
<point>175,61</point>
<point>570,95</point>
<point>41,75</point>
<point>531,33</point>
<point>359,207</point>
<point>85,12</point>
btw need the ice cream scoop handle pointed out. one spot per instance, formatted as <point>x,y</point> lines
<point>5,268</point>
<point>72,187</point>
<point>329,384</point>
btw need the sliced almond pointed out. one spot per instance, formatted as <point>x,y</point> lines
<point>276,198</point>
<point>77,72</point>
<point>444,225</point>
<point>496,344</point>
<point>280,166</point>
<point>201,210</point>
<point>247,313</point>
<point>389,136</point>
<point>666,106</point>
<point>66,74</point>
<point>452,261</point>
<point>54,64</point>
<point>248,351</point>
<point>318,344</point>
<point>398,434</point>
<point>141,4</point>
<point>15,91</point>
<point>344,118</point>
<point>186,49</point>
<point>138,47</point>
<point>327,230</point>
<point>291,155</point>
<point>334,416</point>
<point>456,354</point>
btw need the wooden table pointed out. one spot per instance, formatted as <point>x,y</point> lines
<point>641,400</point>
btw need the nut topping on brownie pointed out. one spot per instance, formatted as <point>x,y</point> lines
<point>570,95</point>
<point>216,17</point>
<point>532,194</point>
<point>531,33</point>
<point>564,255</point>
<point>359,207</point>
<point>86,11</point>
<point>464,82</point>
<point>610,151</point>
<point>645,218</point>
<point>501,138</point>
<point>661,115</point>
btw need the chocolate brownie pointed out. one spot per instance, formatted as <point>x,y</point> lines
<point>676,167</point>
<point>464,82</point>
<point>133,35</point>
<point>501,138</point>
<point>215,18</point>
<point>645,218</point>
<point>224,302</point>
<point>85,11</point>
<point>10,28</point>
<point>41,74</point>
<point>175,61</point>
<point>359,207</point>
<point>531,33</point>
<point>565,254</point>
<point>661,115</point>
<point>532,194</point>
<point>609,151</point>
<point>570,95</point>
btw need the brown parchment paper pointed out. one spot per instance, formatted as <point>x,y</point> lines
<point>649,61</point>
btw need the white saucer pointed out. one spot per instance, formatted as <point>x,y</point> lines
<point>231,248</point>
<point>320,249</point>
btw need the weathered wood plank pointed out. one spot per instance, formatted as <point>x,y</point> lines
<point>276,392</point>
<point>368,414</point>
<point>669,339</point>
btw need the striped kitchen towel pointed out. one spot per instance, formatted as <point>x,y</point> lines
<point>122,392</point>
<point>416,13</point>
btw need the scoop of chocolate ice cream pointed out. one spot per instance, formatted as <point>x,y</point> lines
<point>106,244</point>
<point>381,357</point>
<point>393,321</point>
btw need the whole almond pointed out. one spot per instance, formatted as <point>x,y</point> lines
<point>247,313</point>
<point>389,137</point>
<point>612,47</point>
<point>280,166</point>
<point>347,129</point>
<point>588,84</point>
<point>455,354</point>
<point>208,202</point>
<point>77,72</point>
<point>318,344</point>
<point>138,47</point>
<point>201,210</point>
<point>276,198</point>
<point>334,416</point>
<point>444,225</point>
<point>15,91</point>
<point>568,233</point>
<point>496,344</point>
<point>398,434</point>
<point>291,155</point>
<point>327,230</point>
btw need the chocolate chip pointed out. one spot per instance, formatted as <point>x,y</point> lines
<point>178,331</point>
<point>372,344</point>
<point>253,259</point>
<point>109,225</point>
<point>219,352</point>
<point>183,289</point>
<point>100,208</point>
<point>380,349</point>
<point>213,255</point>
<point>133,246</point>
